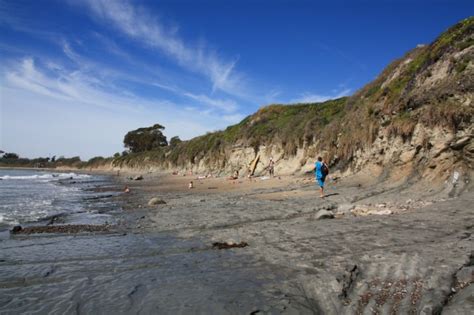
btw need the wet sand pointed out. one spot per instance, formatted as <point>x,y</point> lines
<point>161,258</point>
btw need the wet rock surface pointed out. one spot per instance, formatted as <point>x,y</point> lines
<point>161,262</point>
<point>70,228</point>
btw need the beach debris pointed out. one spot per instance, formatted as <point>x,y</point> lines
<point>345,208</point>
<point>70,229</point>
<point>227,245</point>
<point>361,210</point>
<point>156,201</point>
<point>324,214</point>
<point>380,212</point>
<point>264,178</point>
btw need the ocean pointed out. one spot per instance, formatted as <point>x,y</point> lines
<point>127,270</point>
<point>29,197</point>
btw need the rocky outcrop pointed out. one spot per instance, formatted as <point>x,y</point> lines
<point>415,119</point>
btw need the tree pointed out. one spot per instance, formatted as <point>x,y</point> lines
<point>116,155</point>
<point>145,139</point>
<point>10,156</point>
<point>175,141</point>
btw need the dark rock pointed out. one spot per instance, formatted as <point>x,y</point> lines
<point>347,279</point>
<point>73,228</point>
<point>140,177</point>
<point>16,229</point>
<point>227,245</point>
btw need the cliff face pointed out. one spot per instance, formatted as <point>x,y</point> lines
<point>417,116</point>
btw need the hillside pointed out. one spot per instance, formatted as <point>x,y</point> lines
<point>415,118</point>
<point>417,115</point>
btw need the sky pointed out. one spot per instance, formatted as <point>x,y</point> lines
<point>76,76</point>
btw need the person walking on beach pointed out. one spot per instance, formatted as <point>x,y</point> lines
<point>321,171</point>
<point>271,167</point>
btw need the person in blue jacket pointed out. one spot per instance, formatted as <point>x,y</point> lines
<point>321,171</point>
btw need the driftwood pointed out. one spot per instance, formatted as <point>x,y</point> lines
<point>253,165</point>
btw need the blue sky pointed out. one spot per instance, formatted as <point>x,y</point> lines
<point>77,75</point>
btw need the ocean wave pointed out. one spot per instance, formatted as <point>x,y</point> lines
<point>8,221</point>
<point>46,176</point>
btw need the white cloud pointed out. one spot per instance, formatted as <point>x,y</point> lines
<point>226,105</point>
<point>67,112</point>
<point>138,24</point>
<point>316,98</point>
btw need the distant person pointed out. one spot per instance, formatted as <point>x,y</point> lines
<point>191,185</point>
<point>126,190</point>
<point>321,171</point>
<point>271,167</point>
<point>235,175</point>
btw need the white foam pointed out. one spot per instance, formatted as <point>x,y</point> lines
<point>47,176</point>
<point>8,221</point>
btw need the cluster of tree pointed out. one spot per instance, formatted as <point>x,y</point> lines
<point>10,156</point>
<point>139,140</point>
<point>13,159</point>
<point>147,139</point>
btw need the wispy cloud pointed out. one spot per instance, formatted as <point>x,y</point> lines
<point>106,75</point>
<point>138,24</point>
<point>316,98</point>
<point>50,98</point>
<point>65,85</point>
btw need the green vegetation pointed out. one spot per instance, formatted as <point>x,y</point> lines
<point>174,141</point>
<point>145,139</point>
<point>341,127</point>
<point>290,125</point>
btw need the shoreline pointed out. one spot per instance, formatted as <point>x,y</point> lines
<point>415,241</point>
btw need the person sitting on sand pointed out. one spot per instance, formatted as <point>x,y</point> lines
<point>191,185</point>
<point>235,176</point>
<point>321,171</point>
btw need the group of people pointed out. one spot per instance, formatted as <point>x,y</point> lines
<point>321,171</point>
